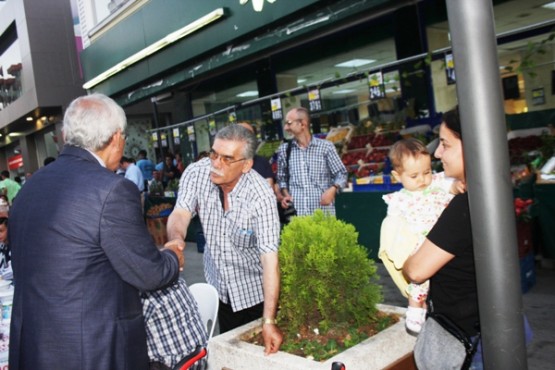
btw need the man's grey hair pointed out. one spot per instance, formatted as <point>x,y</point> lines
<point>239,133</point>
<point>90,121</point>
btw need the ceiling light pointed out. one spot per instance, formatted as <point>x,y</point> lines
<point>158,45</point>
<point>14,134</point>
<point>247,94</point>
<point>550,5</point>
<point>345,91</point>
<point>29,119</point>
<point>301,80</point>
<point>353,63</point>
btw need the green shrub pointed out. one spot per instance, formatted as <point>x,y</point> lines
<point>326,277</point>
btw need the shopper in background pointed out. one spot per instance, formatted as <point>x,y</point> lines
<point>260,164</point>
<point>314,173</point>
<point>133,173</point>
<point>5,250</point>
<point>167,169</point>
<point>81,253</point>
<point>238,213</point>
<point>4,205</point>
<point>8,186</point>
<point>178,162</point>
<point>146,166</point>
<point>48,160</point>
<point>411,213</point>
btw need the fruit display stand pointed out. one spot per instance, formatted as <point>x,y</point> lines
<point>528,148</point>
<point>157,210</point>
<point>267,149</point>
<point>340,135</point>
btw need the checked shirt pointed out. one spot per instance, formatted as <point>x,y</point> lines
<point>312,171</point>
<point>173,324</point>
<point>236,238</point>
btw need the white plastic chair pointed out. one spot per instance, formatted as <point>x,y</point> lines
<point>208,301</point>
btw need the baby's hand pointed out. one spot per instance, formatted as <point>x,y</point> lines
<point>458,187</point>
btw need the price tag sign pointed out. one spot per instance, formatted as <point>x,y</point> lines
<point>376,86</point>
<point>212,126</point>
<point>277,113</point>
<point>314,102</point>
<point>538,96</point>
<point>191,132</point>
<point>450,69</point>
<point>154,138</point>
<point>232,117</point>
<point>164,139</point>
<point>176,138</point>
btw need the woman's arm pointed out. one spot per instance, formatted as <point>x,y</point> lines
<point>427,260</point>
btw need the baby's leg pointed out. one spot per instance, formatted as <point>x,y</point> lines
<point>416,312</point>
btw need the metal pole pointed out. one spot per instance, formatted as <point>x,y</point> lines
<point>484,132</point>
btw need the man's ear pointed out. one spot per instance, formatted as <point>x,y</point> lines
<point>247,165</point>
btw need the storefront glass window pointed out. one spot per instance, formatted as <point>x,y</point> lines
<point>222,101</point>
<point>101,9</point>
<point>525,64</point>
<point>10,75</point>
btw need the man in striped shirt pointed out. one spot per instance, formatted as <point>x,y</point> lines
<point>238,213</point>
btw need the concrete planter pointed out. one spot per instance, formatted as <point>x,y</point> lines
<point>228,351</point>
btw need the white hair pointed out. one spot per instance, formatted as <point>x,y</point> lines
<point>90,121</point>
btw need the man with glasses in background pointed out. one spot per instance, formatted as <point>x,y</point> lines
<point>239,218</point>
<point>310,172</point>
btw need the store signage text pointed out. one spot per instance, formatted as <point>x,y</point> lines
<point>15,162</point>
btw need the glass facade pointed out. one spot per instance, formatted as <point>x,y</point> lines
<point>10,74</point>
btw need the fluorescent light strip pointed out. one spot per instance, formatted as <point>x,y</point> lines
<point>247,94</point>
<point>353,63</point>
<point>160,44</point>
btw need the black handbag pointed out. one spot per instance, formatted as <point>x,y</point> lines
<point>285,214</point>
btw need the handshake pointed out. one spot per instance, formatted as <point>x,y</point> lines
<point>177,246</point>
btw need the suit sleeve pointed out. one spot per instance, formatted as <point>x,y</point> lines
<point>128,245</point>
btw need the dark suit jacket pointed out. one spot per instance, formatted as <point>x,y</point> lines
<point>80,254</point>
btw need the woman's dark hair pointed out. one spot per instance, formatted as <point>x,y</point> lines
<point>453,122</point>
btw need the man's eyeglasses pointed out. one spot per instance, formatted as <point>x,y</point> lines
<point>289,123</point>
<point>226,159</point>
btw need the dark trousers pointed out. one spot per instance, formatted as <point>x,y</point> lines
<point>228,320</point>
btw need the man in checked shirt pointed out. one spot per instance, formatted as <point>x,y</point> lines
<point>238,213</point>
<point>313,174</point>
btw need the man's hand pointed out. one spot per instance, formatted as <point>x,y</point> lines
<point>328,196</point>
<point>177,246</point>
<point>286,201</point>
<point>272,338</point>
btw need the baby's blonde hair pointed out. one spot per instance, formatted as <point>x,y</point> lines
<point>406,148</point>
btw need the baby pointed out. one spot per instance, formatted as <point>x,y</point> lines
<point>411,213</point>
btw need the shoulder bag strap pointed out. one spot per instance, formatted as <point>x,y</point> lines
<point>287,157</point>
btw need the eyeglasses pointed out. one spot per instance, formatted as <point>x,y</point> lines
<point>226,159</point>
<point>289,123</point>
